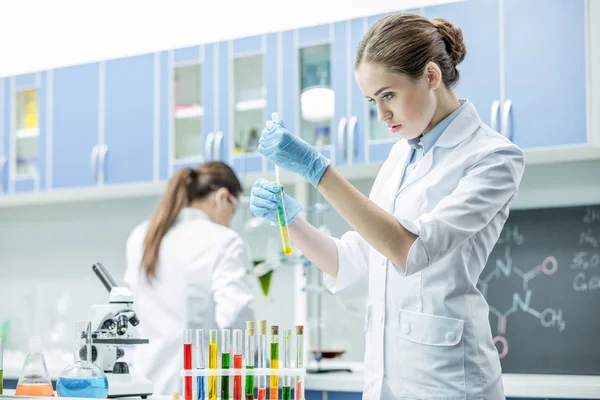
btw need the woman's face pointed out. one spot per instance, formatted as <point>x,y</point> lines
<point>406,105</point>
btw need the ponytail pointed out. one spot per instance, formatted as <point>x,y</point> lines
<point>185,185</point>
<point>175,198</point>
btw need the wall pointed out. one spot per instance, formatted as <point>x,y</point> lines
<point>113,28</point>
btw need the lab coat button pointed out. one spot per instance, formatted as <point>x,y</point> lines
<point>450,337</point>
<point>406,329</point>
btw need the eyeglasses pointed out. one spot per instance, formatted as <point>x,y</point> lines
<point>233,200</point>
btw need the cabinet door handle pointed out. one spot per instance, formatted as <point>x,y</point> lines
<point>2,165</point>
<point>506,129</point>
<point>352,138</point>
<point>217,146</point>
<point>94,162</point>
<point>208,146</point>
<point>101,170</point>
<point>494,115</point>
<point>341,138</point>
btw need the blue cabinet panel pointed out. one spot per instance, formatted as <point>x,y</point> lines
<point>358,107</point>
<point>209,93</point>
<point>380,151</point>
<point>26,81</point>
<point>314,35</point>
<point>272,72</point>
<point>42,100</point>
<point>248,164</point>
<point>74,124</point>
<point>186,55</point>
<point>4,133</point>
<point>480,71</point>
<point>129,119</point>
<point>165,94</point>
<point>224,125</point>
<point>545,74</point>
<point>248,45</point>
<point>289,108</point>
<point>339,83</point>
<point>24,185</point>
<point>344,396</point>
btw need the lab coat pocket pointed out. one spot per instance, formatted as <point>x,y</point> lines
<point>431,356</point>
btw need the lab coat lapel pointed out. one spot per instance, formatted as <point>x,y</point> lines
<point>390,190</point>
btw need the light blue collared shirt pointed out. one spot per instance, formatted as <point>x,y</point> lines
<point>422,144</point>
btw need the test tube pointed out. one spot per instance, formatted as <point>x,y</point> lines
<point>187,362</point>
<point>299,391</point>
<point>281,216</point>
<point>200,363</point>
<point>225,361</point>
<point>274,386</point>
<point>249,359</point>
<point>237,363</point>
<point>286,389</point>
<point>213,350</point>
<point>1,367</point>
<point>262,358</point>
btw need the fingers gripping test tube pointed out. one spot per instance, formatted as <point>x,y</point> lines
<point>281,216</point>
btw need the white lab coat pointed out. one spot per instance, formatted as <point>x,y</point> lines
<point>201,283</point>
<point>427,329</point>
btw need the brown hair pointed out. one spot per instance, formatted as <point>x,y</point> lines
<point>405,43</point>
<point>185,185</point>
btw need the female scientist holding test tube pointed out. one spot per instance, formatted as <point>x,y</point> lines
<point>434,213</point>
<point>187,269</point>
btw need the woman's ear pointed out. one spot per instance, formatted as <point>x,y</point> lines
<point>221,196</point>
<point>434,75</point>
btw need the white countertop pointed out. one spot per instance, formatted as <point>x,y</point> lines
<point>515,385</point>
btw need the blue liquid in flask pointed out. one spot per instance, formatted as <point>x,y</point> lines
<point>96,388</point>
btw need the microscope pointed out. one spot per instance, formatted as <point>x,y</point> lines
<point>111,325</point>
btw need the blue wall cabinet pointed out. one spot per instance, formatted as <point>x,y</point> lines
<point>4,135</point>
<point>129,129</point>
<point>75,109</point>
<point>254,69</point>
<point>253,80</point>
<point>27,128</point>
<point>480,71</point>
<point>185,106</point>
<point>545,73</point>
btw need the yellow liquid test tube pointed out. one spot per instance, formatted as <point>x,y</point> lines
<point>283,224</point>
<point>274,381</point>
<point>213,350</point>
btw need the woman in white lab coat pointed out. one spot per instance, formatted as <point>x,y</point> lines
<point>434,213</point>
<point>187,269</point>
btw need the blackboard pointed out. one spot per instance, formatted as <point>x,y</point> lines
<point>542,283</point>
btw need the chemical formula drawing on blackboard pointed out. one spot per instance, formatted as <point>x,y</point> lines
<point>542,285</point>
<point>549,317</point>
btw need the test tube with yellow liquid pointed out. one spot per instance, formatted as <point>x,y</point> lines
<point>283,223</point>
<point>213,350</point>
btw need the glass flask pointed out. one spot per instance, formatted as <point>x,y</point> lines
<point>34,379</point>
<point>83,378</point>
<point>264,250</point>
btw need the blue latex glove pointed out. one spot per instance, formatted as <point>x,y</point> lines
<point>264,199</point>
<point>292,153</point>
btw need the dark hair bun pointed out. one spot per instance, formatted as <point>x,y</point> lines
<point>453,37</point>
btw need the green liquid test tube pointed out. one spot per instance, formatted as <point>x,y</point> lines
<point>283,224</point>
<point>225,361</point>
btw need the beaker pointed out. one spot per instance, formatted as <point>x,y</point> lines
<point>83,378</point>
<point>34,379</point>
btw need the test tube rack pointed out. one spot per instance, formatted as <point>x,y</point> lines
<point>294,373</point>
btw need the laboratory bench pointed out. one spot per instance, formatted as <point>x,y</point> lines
<point>349,385</point>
